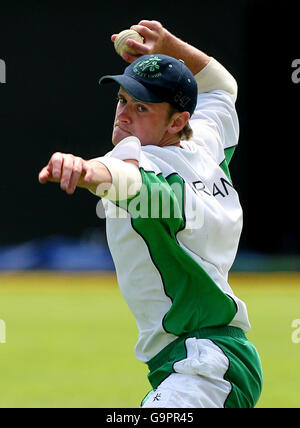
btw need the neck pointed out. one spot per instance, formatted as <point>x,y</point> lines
<point>171,140</point>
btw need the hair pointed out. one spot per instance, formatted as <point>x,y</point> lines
<point>186,133</point>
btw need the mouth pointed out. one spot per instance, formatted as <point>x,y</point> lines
<point>117,125</point>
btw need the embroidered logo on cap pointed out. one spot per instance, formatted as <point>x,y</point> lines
<point>148,68</point>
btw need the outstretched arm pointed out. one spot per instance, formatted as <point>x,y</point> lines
<point>72,172</point>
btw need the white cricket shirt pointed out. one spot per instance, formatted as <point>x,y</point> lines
<point>174,243</point>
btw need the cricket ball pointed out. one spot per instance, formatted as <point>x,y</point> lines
<point>120,41</point>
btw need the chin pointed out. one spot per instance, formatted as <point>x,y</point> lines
<point>116,139</point>
<point>119,135</point>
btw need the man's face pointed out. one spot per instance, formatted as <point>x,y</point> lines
<point>148,122</point>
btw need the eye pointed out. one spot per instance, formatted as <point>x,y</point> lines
<point>121,99</point>
<point>141,108</point>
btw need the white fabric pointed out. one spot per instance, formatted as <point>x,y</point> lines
<point>215,124</point>
<point>126,179</point>
<point>215,77</point>
<point>128,148</point>
<point>198,382</point>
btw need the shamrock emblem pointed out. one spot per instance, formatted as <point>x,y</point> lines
<point>151,64</point>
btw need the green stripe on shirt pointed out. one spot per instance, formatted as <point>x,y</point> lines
<point>197,301</point>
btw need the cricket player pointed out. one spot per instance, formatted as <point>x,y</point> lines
<point>174,221</point>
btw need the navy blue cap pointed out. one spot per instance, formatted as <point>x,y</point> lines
<point>159,78</point>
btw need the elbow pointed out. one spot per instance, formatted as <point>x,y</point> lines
<point>215,77</point>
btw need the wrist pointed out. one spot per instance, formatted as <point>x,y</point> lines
<point>99,175</point>
<point>170,44</point>
<point>125,179</point>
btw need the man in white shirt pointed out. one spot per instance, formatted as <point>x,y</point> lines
<point>174,221</point>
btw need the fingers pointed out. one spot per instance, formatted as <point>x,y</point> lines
<point>144,28</point>
<point>152,25</point>
<point>143,31</point>
<point>154,37</point>
<point>56,163</point>
<point>141,48</point>
<point>44,175</point>
<point>65,169</point>
<point>129,58</point>
<point>52,171</point>
<point>138,47</point>
<point>75,176</point>
<point>152,32</point>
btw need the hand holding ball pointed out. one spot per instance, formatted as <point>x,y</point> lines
<point>120,41</point>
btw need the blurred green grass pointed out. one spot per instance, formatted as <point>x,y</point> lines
<point>273,303</point>
<point>70,340</point>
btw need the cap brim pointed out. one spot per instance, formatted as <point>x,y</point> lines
<point>135,89</point>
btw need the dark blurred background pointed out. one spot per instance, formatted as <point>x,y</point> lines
<point>55,53</point>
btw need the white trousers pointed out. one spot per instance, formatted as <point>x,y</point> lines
<point>198,381</point>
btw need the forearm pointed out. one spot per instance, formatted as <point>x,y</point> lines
<point>193,58</point>
<point>209,73</point>
<point>115,177</point>
<point>100,176</point>
<point>125,178</point>
<point>112,178</point>
<point>158,39</point>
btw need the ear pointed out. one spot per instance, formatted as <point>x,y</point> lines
<point>178,122</point>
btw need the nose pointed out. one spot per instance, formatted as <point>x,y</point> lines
<point>123,113</point>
